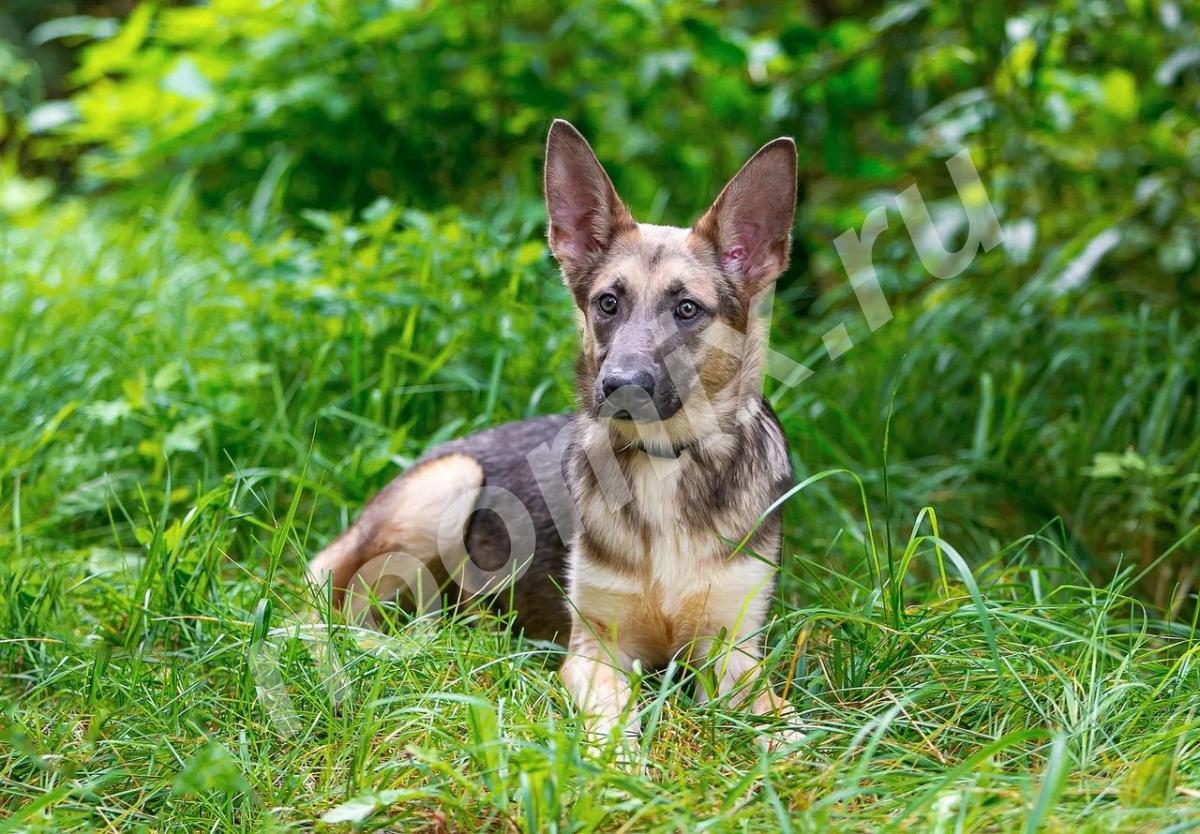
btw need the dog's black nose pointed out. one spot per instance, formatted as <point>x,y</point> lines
<point>620,379</point>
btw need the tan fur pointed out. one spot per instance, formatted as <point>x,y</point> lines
<point>650,258</point>
<point>402,526</point>
<point>718,370</point>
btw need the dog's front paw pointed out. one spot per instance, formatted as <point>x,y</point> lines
<point>783,738</point>
<point>786,731</point>
<point>606,730</point>
<point>614,742</point>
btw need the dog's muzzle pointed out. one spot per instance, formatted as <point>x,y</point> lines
<point>629,395</point>
<point>636,396</point>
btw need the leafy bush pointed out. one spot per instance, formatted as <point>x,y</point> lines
<point>428,103</point>
<point>1083,119</point>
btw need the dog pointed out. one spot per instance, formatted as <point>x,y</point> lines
<point>644,526</point>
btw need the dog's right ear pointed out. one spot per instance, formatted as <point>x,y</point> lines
<point>584,209</point>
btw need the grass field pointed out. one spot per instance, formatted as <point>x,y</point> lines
<point>192,406</point>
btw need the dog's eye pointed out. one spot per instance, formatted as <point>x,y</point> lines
<point>687,309</point>
<point>608,303</point>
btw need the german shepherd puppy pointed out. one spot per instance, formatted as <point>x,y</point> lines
<point>641,527</point>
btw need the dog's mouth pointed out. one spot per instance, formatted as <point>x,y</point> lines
<point>624,413</point>
<point>629,406</point>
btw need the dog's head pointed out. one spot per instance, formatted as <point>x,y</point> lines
<point>665,312</point>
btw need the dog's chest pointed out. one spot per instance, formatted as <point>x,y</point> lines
<point>658,528</point>
<point>682,585</point>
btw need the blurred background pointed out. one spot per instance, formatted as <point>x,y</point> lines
<point>298,242</point>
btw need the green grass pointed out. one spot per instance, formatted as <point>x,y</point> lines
<point>190,409</point>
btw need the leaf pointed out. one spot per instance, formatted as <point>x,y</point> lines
<point>19,195</point>
<point>1120,94</point>
<point>530,252</point>
<point>1147,784</point>
<point>1127,465</point>
<point>187,81</point>
<point>799,39</point>
<point>74,26</point>
<point>360,807</point>
<point>713,44</point>
<point>115,54</point>
<point>134,389</point>
<point>167,375</point>
<point>185,436</point>
<point>108,412</point>
<point>212,769</point>
<point>1177,254</point>
<point>51,115</point>
<point>1081,266</point>
<point>1017,70</point>
<point>1057,768</point>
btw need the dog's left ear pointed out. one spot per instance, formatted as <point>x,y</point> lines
<point>750,223</point>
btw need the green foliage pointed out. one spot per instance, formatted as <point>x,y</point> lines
<point>16,83</point>
<point>197,404</point>
<point>319,253</point>
<point>426,103</point>
<point>379,332</point>
<point>435,102</point>
<point>1083,118</point>
<point>211,769</point>
<point>212,349</point>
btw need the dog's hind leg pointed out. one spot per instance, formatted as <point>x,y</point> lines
<point>393,545</point>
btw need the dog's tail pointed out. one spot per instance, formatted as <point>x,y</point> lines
<point>395,540</point>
